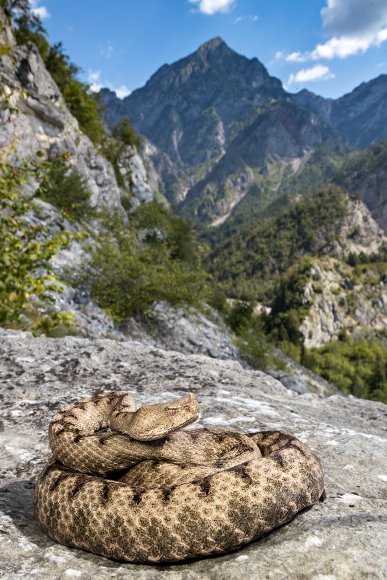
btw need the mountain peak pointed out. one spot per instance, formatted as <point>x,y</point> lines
<point>212,44</point>
<point>213,49</point>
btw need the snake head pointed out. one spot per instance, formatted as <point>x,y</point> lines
<point>157,421</point>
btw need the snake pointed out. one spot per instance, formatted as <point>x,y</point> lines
<point>136,486</point>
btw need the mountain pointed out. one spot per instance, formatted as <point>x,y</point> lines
<point>361,116</point>
<point>364,174</point>
<point>319,264</point>
<point>225,132</point>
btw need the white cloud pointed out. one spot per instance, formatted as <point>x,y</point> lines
<point>96,84</point>
<point>354,26</point>
<point>319,72</point>
<point>122,91</point>
<point>354,17</point>
<point>249,18</point>
<point>293,57</point>
<point>340,47</point>
<point>93,78</point>
<point>40,11</point>
<point>213,6</point>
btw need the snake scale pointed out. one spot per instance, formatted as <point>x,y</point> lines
<point>131,485</point>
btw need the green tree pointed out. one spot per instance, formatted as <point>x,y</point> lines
<point>140,265</point>
<point>124,132</point>
<point>12,6</point>
<point>63,187</point>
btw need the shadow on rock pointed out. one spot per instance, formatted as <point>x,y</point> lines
<point>17,502</point>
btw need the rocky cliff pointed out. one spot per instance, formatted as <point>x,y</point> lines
<point>34,118</point>
<point>343,537</point>
<point>220,123</point>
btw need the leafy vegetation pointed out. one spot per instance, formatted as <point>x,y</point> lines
<point>125,133</point>
<point>153,257</point>
<point>289,306</point>
<point>123,136</point>
<point>249,263</point>
<point>64,188</point>
<point>357,367</point>
<point>360,165</point>
<point>26,249</point>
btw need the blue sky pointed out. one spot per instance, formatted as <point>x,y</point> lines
<point>326,46</point>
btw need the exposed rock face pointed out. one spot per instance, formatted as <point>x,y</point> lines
<point>281,135</point>
<point>337,297</point>
<point>219,121</point>
<point>338,301</point>
<point>361,116</point>
<point>215,116</point>
<point>44,124</point>
<point>344,537</point>
<point>191,332</point>
<point>357,233</point>
<point>134,176</point>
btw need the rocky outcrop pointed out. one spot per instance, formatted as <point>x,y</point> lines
<point>357,233</point>
<point>338,299</point>
<point>34,117</point>
<point>343,537</point>
<point>42,123</point>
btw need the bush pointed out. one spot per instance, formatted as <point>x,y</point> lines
<point>26,250</point>
<point>64,188</point>
<point>125,133</point>
<point>357,367</point>
<point>143,265</point>
<point>55,325</point>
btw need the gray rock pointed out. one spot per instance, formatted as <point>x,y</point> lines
<point>192,332</point>
<point>342,538</point>
<point>134,176</point>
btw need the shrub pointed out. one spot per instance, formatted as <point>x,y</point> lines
<point>142,265</point>
<point>357,367</point>
<point>124,132</point>
<point>64,188</point>
<point>289,307</point>
<point>55,325</point>
<point>26,249</point>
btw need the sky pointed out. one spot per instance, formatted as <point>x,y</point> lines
<point>326,46</point>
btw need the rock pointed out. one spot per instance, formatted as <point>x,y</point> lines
<point>344,537</point>
<point>338,299</point>
<point>192,332</point>
<point>134,176</point>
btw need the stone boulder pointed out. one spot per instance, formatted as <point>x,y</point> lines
<point>342,538</point>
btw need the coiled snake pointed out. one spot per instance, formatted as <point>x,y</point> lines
<point>131,486</point>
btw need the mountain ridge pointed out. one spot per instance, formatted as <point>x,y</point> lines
<point>210,119</point>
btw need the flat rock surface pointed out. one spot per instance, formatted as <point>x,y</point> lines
<point>341,538</point>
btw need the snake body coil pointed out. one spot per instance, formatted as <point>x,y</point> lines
<point>130,486</point>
